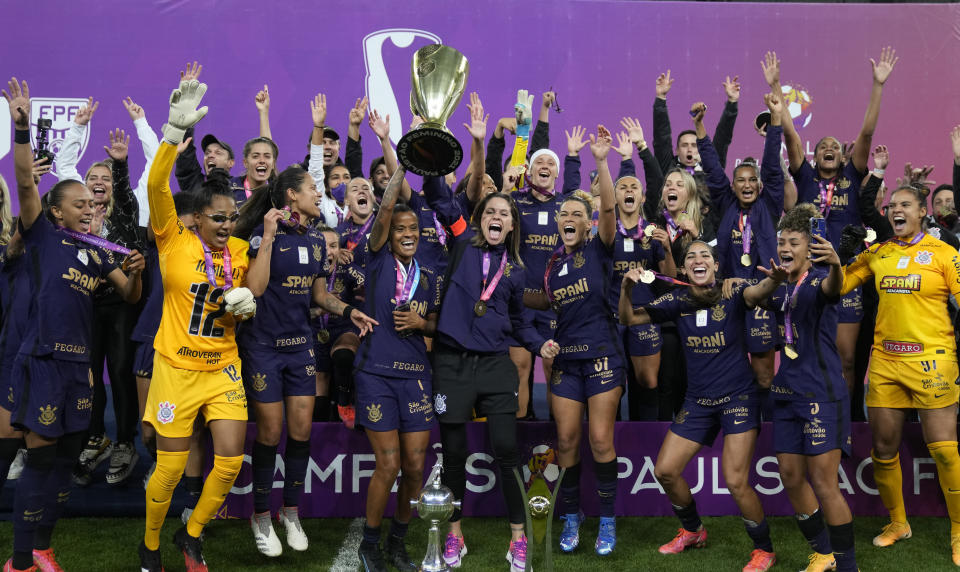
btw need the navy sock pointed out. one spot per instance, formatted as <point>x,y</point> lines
<point>296,457</point>
<point>570,490</point>
<point>371,535</point>
<point>759,533</point>
<point>398,529</point>
<point>30,502</point>
<point>841,538</point>
<point>8,452</point>
<point>321,408</point>
<point>343,375</point>
<point>689,517</point>
<point>58,493</point>
<point>607,487</point>
<point>264,461</point>
<point>815,532</point>
<point>194,486</point>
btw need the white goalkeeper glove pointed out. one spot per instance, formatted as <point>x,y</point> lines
<point>183,110</point>
<point>240,303</point>
<point>523,107</point>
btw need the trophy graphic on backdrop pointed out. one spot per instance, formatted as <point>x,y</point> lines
<point>438,78</point>
<point>435,504</point>
<point>540,503</point>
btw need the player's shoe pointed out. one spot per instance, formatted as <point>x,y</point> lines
<point>517,554</point>
<point>149,559</point>
<point>396,554</point>
<point>570,535</point>
<point>348,415</point>
<point>454,549</point>
<point>192,550</point>
<point>820,563</point>
<point>371,558</point>
<point>606,536</point>
<point>8,567</point>
<point>289,517</point>
<point>97,450</point>
<point>891,533</point>
<point>16,467</point>
<point>760,561</point>
<point>955,548</point>
<point>122,462</point>
<point>268,543</point>
<point>685,539</point>
<point>46,561</point>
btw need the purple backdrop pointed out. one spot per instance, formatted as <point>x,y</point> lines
<point>342,462</point>
<point>602,57</point>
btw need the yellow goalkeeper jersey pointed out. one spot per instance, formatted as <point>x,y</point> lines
<point>913,282</point>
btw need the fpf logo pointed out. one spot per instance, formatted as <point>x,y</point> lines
<point>61,112</point>
<point>798,102</point>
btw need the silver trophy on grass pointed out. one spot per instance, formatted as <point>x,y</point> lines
<point>435,504</point>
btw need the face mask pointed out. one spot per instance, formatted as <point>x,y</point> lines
<point>339,192</point>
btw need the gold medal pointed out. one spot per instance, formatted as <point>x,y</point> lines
<point>648,232</point>
<point>323,336</point>
<point>285,215</point>
<point>480,308</point>
<point>745,259</point>
<point>647,277</point>
<point>791,351</point>
<point>871,235</point>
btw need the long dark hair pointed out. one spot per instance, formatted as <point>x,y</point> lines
<point>216,183</point>
<point>705,296</point>
<point>272,196</point>
<point>513,237</point>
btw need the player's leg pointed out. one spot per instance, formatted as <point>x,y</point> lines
<point>736,461</point>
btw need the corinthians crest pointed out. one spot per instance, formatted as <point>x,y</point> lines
<point>579,260</point>
<point>259,381</point>
<point>48,415</point>
<point>317,252</point>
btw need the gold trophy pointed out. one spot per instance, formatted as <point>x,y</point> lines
<point>540,503</point>
<point>438,78</point>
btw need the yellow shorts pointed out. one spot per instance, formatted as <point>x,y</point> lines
<point>177,395</point>
<point>899,384</point>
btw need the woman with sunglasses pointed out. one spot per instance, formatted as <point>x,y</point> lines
<point>51,374</point>
<point>721,393</point>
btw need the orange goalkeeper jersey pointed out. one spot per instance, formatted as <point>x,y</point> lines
<point>196,332</point>
<point>913,282</point>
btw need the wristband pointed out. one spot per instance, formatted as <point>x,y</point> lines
<point>879,172</point>
<point>347,311</point>
<point>21,137</point>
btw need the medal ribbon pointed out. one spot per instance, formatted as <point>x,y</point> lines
<point>325,318</point>
<point>405,286</point>
<point>637,234</point>
<point>208,263</point>
<point>788,303</point>
<point>487,290</point>
<point>246,187</point>
<point>913,241</point>
<point>357,236</point>
<point>746,231</point>
<point>441,233</point>
<point>96,241</point>
<point>669,279</point>
<point>672,225</point>
<point>557,255</point>
<point>826,196</point>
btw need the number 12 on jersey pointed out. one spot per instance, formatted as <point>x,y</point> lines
<point>201,322</point>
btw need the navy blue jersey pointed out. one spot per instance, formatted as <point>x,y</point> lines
<point>354,237</point>
<point>844,207</point>
<point>282,321</point>
<point>538,233</point>
<point>383,351</point>
<point>15,298</point>
<point>349,287</point>
<point>432,248</point>
<point>815,375</point>
<point>714,341</point>
<point>63,272</point>
<point>149,321</point>
<point>579,286</point>
<point>630,253</point>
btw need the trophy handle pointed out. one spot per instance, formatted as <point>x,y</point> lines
<point>548,557</point>
<point>528,567</point>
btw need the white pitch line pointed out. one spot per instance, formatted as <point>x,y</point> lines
<point>347,559</point>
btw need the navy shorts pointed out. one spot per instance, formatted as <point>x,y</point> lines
<point>6,385</point>
<point>763,330</point>
<point>53,397</point>
<point>269,375</point>
<point>393,403</point>
<point>641,340</point>
<point>811,428</point>
<point>581,379</point>
<point>701,419</point>
<point>851,307</point>
<point>143,360</point>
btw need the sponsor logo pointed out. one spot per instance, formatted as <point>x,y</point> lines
<point>900,284</point>
<point>373,412</point>
<point>815,443</point>
<point>896,347</point>
<point>48,415</point>
<point>60,111</point>
<point>165,412</point>
<point>84,403</point>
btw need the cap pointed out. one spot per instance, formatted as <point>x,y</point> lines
<point>209,139</point>
<point>329,133</point>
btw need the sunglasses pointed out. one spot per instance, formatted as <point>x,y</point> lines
<point>222,218</point>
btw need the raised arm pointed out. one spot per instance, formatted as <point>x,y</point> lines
<point>354,155</point>
<point>571,162</point>
<point>955,140</point>
<point>496,147</point>
<point>756,294</point>
<point>125,216</point>
<point>149,143</point>
<point>477,128</point>
<point>262,101</point>
<point>258,276</point>
<point>381,128</point>
<point>630,316</point>
<point>600,145</point>
<point>381,225</point>
<point>18,97</point>
<point>869,214</point>
<point>771,73</point>
<point>881,71</point>
<point>771,175</point>
<point>822,252</point>
<point>188,171</point>
<point>728,119</point>
<point>540,138</point>
<point>69,154</point>
<point>318,117</point>
<point>662,138</point>
<point>721,193</point>
<point>522,110</point>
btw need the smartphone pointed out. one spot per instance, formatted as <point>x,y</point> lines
<point>404,308</point>
<point>818,227</point>
<point>593,176</point>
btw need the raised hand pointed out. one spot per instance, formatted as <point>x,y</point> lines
<point>119,145</point>
<point>624,146</point>
<point>776,272</point>
<point>882,70</point>
<point>318,110</point>
<point>774,103</point>
<point>575,141</point>
<point>601,143</point>
<point>182,146</point>
<point>263,100</point>
<point>955,139</point>
<point>183,110</point>
<point>18,97</point>
<point>848,149</point>
<point>697,111</point>
<point>634,131</point>
<point>506,124</point>
<point>192,72</point>
<point>478,121</point>
<point>881,157</point>
<point>511,175</point>
<point>380,125</point>
<point>771,69</point>
<point>134,110</point>
<point>732,88</point>
<point>359,111</point>
<point>823,252</point>
<point>522,109</point>
<point>41,167</point>
<point>85,114</point>
<point>548,98</point>
<point>415,122</point>
<point>664,83</point>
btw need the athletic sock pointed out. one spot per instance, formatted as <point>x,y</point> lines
<point>371,535</point>
<point>343,375</point>
<point>607,486</point>
<point>948,471</point>
<point>215,489</point>
<point>398,529</point>
<point>264,461</point>
<point>815,531</point>
<point>297,456</point>
<point>889,479</point>
<point>570,490</point>
<point>759,533</point>
<point>170,465</point>
<point>689,518</point>
<point>194,486</point>
<point>30,501</point>
<point>841,538</point>
<point>321,408</point>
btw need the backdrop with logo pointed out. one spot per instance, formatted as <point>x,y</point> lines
<point>601,57</point>
<point>342,462</point>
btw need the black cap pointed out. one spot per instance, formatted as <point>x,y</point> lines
<point>329,133</point>
<point>209,139</point>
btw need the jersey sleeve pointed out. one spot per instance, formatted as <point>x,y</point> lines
<point>664,309</point>
<point>163,214</point>
<point>857,272</point>
<point>951,272</point>
<point>803,177</point>
<point>256,238</point>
